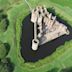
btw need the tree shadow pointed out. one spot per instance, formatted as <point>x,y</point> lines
<point>44,50</point>
<point>53,70</point>
<point>9,66</point>
<point>67,70</point>
<point>4,17</point>
<point>7,46</point>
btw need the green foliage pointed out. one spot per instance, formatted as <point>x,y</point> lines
<point>3,67</point>
<point>63,2</point>
<point>3,21</point>
<point>6,65</point>
<point>3,25</point>
<point>61,58</point>
<point>69,69</point>
<point>53,70</point>
<point>3,50</point>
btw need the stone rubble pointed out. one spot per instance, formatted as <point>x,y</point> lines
<point>49,28</point>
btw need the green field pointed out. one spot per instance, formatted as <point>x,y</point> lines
<point>17,10</point>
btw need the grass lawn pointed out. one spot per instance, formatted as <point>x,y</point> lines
<point>17,11</point>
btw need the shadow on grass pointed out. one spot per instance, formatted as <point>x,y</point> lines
<point>53,70</point>
<point>44,50</point>
<point>7,48</point>
<point>7,65</point>
<point>4,17</point>
<point>67,69</point>
<point>10,65</point>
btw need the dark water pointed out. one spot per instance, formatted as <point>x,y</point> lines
<point>44,50</point>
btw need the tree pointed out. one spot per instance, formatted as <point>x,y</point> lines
<point>3,25</point>
<point>69,69</point>
<point>3,51</point>
<point>4,22</point>
<point>6,65</point>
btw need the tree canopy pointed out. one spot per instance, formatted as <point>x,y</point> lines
<point>6,65</point>
<point>3,50</point>
<point>3,21</point>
